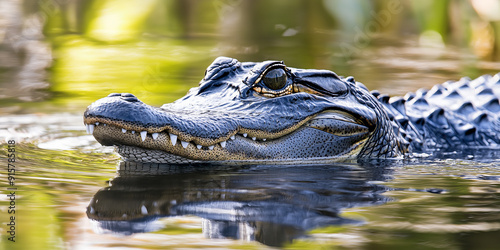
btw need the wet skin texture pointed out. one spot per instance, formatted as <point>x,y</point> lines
<point>270,112</point>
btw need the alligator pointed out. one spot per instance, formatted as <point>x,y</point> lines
<point>269,112</point>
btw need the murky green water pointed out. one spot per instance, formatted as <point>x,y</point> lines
<point>56,57</point>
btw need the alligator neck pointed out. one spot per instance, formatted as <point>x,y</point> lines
<point>452,115</point>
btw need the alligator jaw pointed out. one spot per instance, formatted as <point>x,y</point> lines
<point>110,135</point>
<point>332,126</point>
<point>132,142</point>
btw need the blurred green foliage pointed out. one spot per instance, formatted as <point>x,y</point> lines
<point>159,49</point>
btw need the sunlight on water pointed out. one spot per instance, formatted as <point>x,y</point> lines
<point>111,26</point>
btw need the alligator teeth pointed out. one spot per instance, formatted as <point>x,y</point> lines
<point>245,135</point>
<point>184,144</point>
<point>143,135</point>
<point>199,146</point>
<point>211,147</point>
<point>144,210</point>
<point>233,137</point>
<point>97,123</point>
<point>223,144</point>
<point>124,130</point>
<point>154,135</point>
<point>254,138</point>
<point>90,128</point>
<point>133,132</point>
<point>173,139</point>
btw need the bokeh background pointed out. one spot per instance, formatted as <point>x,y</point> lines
<point>60,55</point>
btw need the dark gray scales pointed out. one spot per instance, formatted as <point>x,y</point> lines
<point>452,115</point>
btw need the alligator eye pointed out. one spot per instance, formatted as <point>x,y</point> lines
<point>275,79</point>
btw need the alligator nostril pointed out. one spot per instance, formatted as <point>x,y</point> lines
<point>129,97</point>
<point>114,94</point>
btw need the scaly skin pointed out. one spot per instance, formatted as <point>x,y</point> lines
<point>455,116</point>
<point>270,112</point>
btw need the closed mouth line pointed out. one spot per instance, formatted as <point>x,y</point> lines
<point>90,128</point>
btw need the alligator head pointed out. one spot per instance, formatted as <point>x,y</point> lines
<point>250,112</point>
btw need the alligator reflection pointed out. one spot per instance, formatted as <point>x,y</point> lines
<point>269,204</point>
